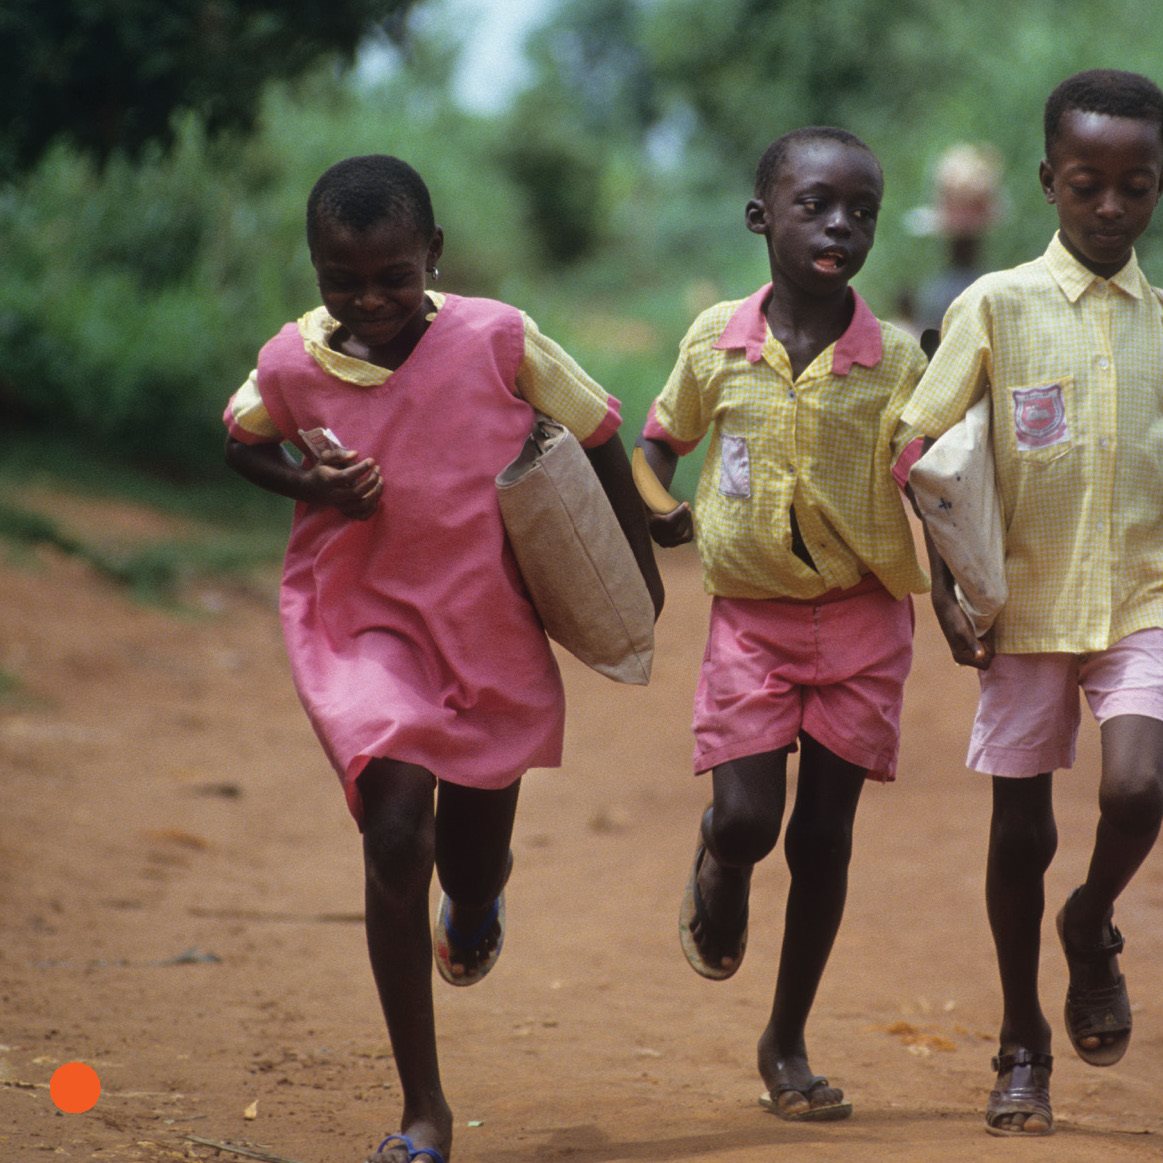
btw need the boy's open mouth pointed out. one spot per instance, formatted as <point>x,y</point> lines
<point>831,260</point>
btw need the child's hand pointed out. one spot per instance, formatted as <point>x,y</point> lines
<point>674,528</point>
<point>966,647</point>
<point>341,478</point>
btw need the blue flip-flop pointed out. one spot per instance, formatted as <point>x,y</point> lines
<point>414,1152</point>
<point>447,939</point>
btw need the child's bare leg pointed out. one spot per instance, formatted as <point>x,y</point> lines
<point>818,847</point>
<point>1022,840</point>
<point>398,840</point>
<point>739,829</point>
<point>1131,809</point>
<point>473,831</point>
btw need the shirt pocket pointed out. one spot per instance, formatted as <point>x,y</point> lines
<point>734,467</point>
<point>1044,420</point>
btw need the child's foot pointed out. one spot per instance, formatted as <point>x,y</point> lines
<point>712,922</point>
<point>467,942</point>
<point>1020,1102</point>
<point>423,1140</point>
<point>795,1093</point>
<point>1098,1010</point>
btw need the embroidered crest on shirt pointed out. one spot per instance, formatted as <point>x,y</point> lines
<point>1039,417</point>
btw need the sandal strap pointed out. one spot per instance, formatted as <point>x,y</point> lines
<point>468,943</point>
<point>1093,954</point>
<point>399,1139</point>
<point>814,1083</point>
<point>1021,1057</point>
<point>1096,954</point>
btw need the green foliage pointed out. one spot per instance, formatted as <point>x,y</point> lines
<point>911,78</point>
<point>608,201</point>
<point>562,185</point>
<point>109,75</point>
<point>134,299</point>
<point>753,69</point>
<point>116,309</point>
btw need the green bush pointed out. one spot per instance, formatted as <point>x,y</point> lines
<point>608,203</point>
<point>133,301</point>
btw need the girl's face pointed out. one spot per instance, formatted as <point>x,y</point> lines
<point>1103,176</point>
<point>373,283</point>
<point>819,215</point>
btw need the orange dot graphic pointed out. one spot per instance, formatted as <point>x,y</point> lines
<point>75,1088</point>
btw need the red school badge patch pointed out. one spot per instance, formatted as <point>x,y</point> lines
<point>1039,417</point>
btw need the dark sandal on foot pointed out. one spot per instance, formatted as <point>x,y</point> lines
<point>1023,1096</point>
<point>817,1113</point>
<point>1102,1011</point>
<point>693,911</point>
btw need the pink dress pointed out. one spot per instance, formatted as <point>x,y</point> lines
<point>410,635</point>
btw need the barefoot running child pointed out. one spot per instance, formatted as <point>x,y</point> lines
<point>1069,350</point>
<point>807,551</point>
<point>413,647</point>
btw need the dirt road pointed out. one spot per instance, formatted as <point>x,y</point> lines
<point>180,900</point>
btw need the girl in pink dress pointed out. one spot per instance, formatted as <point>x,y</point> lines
<point>413,647</point>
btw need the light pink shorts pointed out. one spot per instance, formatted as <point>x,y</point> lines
<point>1028,713</point>
<point>834,667</point>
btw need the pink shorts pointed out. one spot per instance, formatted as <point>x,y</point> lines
<point>834,667</point>
<point>1028,713</point>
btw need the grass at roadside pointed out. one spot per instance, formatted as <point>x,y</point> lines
<point>217,525</point>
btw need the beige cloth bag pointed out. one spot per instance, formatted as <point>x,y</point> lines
<point>955,487</point>
<point>579,568</point>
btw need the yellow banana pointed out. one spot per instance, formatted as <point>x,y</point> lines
<point>649,487</point>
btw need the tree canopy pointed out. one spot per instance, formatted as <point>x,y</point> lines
<point>607,197</point>
<point>107,75</point>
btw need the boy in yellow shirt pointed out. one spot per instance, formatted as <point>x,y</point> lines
<point>1069,348</point>
<point>807,551</point>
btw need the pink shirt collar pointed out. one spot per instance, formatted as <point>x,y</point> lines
<point>861,343</point>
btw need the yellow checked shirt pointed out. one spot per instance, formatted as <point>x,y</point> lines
<point>1074,367</point>
<point>821,443</point>
<point>548,378</point>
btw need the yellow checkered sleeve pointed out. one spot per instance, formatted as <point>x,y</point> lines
<point>552,381</point>
<point>246,415</point>
<point>1073,364</point>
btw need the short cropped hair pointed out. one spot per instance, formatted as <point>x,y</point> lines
<point>776,153</point>
<point>1109,91</point>
<point>362,191</point>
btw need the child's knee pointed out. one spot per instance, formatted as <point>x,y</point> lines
<point>1132,800</point>
<point>398,857</point>
<point>1022,845</point>
<point>738,839</point>
<point>814,850</point>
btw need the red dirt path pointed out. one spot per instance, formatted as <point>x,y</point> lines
<point>164,800</point>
